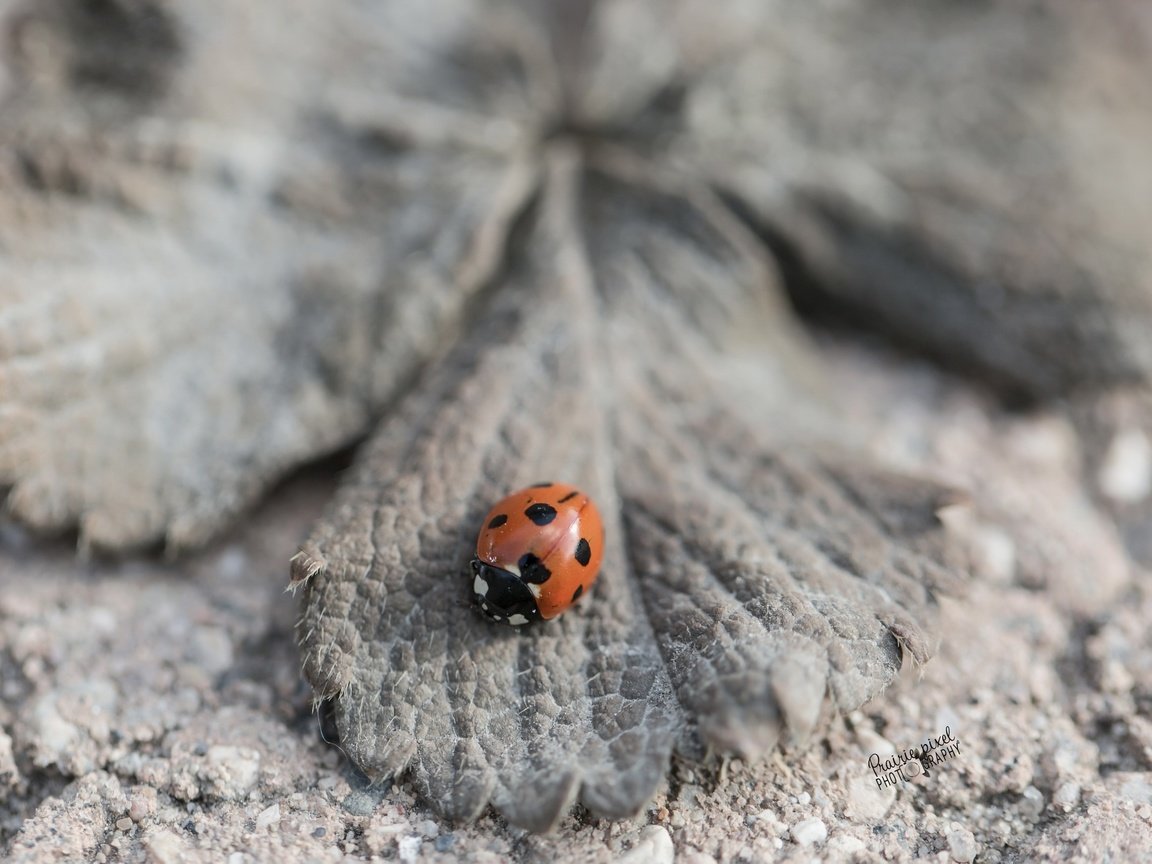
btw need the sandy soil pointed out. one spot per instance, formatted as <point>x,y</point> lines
<point>153,709</point>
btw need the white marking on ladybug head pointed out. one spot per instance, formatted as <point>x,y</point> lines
<point>497,618</point>
<point>535,589</point>
<point>480,586</point>
<point>517,619</point>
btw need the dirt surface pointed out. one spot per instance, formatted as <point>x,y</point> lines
<point>154,710</point>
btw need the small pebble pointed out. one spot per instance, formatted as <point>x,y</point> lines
<point>1067,796</point>
<point>1032,802</point>
<point>962,845</point>
<point>654,846</point>
<point>361,803</point>
<point>995,556</point>
<point>809,831</point>
<point>142,805</point>
<point>408,848</point>
<point>123,823</point>
<point>268,816</point>
<point>444,842</point>
<point>429,828</point>
<point>1126,472</point>
<point>688,796</point>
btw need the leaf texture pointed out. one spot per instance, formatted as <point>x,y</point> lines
<point>734,595</point>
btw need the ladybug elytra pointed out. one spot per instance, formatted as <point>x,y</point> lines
<point>538,552</point>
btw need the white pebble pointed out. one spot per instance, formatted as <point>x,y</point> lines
<point>995,554</point>
<point>772,823</point>
<point>409,848</point>
<point>1126,473</point>
<point>1032,802</point>
<point>962,845</point>
<point>653,847</point>
<point>268,816</point>
<point>809,831</point>
<point>1067,796</point>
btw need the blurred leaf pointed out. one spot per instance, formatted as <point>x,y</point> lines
<point>192,303</point>
<point>951,176</point>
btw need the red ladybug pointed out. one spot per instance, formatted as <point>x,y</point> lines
<point>538,552</point>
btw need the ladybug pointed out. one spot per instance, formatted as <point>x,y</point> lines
<point>538,551</point>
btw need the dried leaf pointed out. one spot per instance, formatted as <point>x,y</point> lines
<point>740,586</point>
<point>198,295</point>
<point>947,175</point>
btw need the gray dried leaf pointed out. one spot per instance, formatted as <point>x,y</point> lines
<point>747,579</point>
<point>199,294</point>
<point>947,175</point>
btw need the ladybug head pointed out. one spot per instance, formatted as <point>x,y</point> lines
<point>502,595</point>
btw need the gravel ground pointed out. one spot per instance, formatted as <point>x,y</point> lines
<point>153,709</point>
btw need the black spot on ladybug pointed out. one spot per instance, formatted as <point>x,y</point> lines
<point>532,569</point>
<point>541,514</point>
<point>569,496</point>
<point>583,552</point>
<point>544,485</point>
<point>576,594</point>
<point>498,520</point>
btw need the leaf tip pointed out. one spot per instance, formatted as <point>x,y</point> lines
<point>303,567</point>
